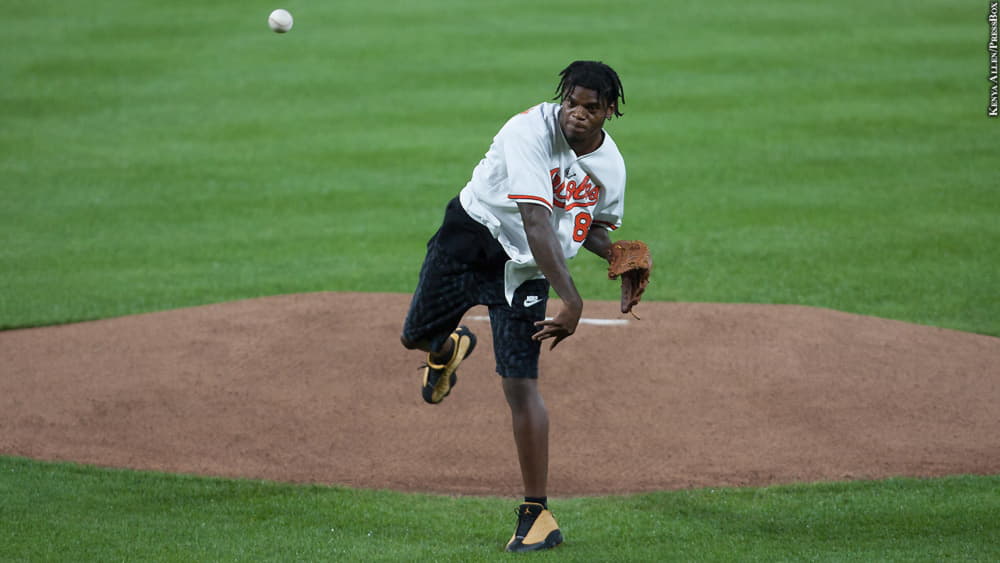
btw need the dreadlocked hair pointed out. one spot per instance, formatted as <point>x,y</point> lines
<point>593,75</point>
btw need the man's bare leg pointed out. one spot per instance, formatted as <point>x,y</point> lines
<point>531,433</point>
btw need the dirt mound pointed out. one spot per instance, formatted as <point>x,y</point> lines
<point>316,388</point>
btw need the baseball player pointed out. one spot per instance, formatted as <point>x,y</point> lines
<point>551,182</point>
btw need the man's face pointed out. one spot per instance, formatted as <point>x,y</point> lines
<point>583,115</point>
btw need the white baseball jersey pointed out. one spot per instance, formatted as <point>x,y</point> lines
<point>530,161</point>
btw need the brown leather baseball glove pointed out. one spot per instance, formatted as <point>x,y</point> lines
<point>631,260</point>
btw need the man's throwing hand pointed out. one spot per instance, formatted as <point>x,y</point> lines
<point>559,327</point>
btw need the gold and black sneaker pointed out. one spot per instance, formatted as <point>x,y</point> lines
<point>439,379</point>
<point>536,529</point>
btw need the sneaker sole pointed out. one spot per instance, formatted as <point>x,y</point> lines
<point>552,540</point>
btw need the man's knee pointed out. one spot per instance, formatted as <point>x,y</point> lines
<point>522,393</point>
<point>414,344</point>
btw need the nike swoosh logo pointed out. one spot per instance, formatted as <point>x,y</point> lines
<point>532,300</point>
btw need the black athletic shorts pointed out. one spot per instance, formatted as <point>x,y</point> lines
<point>464,267</point>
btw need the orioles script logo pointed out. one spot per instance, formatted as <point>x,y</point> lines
<point>570,194</point>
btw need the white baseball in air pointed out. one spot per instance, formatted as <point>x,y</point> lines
<point>280,21</point>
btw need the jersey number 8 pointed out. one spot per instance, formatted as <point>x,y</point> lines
<point>581,226</point>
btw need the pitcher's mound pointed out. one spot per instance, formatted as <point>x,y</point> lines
<point>316,388</point>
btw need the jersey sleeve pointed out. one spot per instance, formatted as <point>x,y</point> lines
<point>527,152</point>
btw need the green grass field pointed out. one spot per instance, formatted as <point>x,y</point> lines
<point>164,155</point>
<point>67,512</point>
